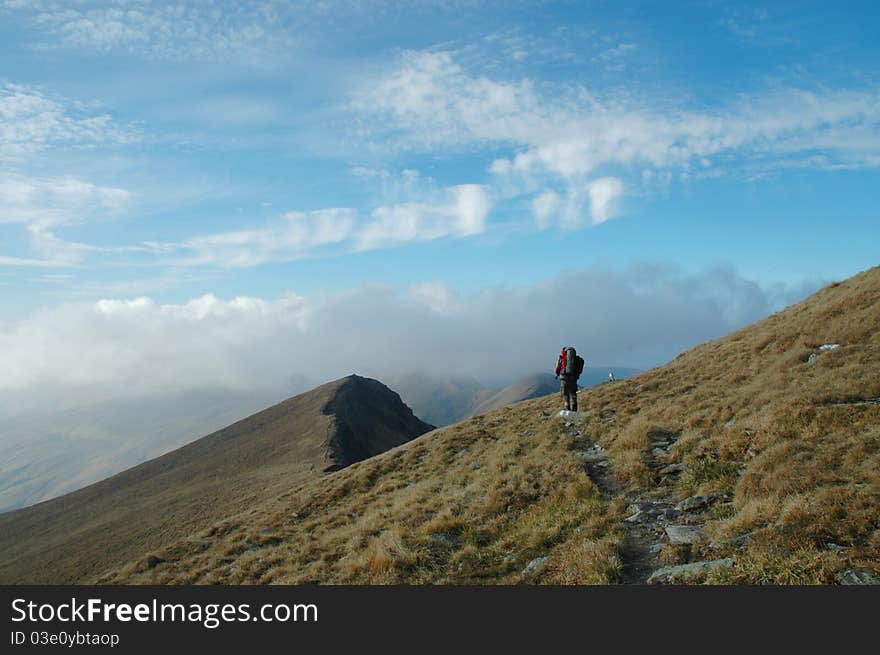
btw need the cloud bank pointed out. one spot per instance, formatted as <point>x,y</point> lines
<point>639,317</point>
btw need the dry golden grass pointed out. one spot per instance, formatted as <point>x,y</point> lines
<point>510,490</point>
<point>475,502</point>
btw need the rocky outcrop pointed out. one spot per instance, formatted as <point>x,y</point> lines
<point>368,419</point>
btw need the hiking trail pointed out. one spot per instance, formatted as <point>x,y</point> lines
<point>656,521</point>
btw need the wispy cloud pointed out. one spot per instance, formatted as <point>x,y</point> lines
<point>54,200</point>
<point>452,212</point>
<point>31,120</point>
<point>588,143</point>
<point>161,30</point>
<point>294,235</point>
<point>461,211</point>
<point>41,205</point>
<point>32,263</point>
<point>430,101</point>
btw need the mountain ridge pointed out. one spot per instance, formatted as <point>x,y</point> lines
<point>204,480</point>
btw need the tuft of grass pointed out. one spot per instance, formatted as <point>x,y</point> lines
<point>707,473</point>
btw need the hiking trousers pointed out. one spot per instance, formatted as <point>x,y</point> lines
<point>569,389</point>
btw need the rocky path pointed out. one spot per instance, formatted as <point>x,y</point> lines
<point>656,523</point>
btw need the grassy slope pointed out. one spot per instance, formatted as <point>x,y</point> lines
<point>475,502</point>
<point>78,535</point>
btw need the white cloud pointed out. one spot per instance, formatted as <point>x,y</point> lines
<point>604,194</point>
<point>640,316</point>
<point>294,235</point>
<point>430,101</point>
<point>460,211</point>
<point>545,206</point>
<point>36,263</point>
<point>41,205</point>
<point>436,295</point>
<point>55,200</point>
<point>30,120</point>
<point>162,30</point>
<point>456,211</point>
<point>600,197</point>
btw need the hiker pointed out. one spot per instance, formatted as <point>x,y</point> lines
<point>611,376</point>
<point>569,365</point>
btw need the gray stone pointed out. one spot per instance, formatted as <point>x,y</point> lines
<point>739,541</point>
<point>536,566</point>
<point>696,502</point>
<point>812,358</point>
<point>685,572</point>
<point>829,346</point>
<point>637,516</point>
<point>655,549</point>
<point>672,469</point>
<point>591,455</point>
<point>729,424</point>
<point>684,534</point>
<point>856,577</point>
<point>659,452</point>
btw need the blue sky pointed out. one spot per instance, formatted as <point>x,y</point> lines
<point>445,154</point>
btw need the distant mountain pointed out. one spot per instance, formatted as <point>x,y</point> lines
<point>439,401</point>
<point>180,493</point>
<point>532,386</point>
<point>443,401</point>
<point>542,384</point>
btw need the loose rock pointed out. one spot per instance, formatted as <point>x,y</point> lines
<point>672,469</point>
<point>684,572</point>
<point>684,534</point>
<point>857,577</point>
<point>696,502</point>
<point>536,566</point>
